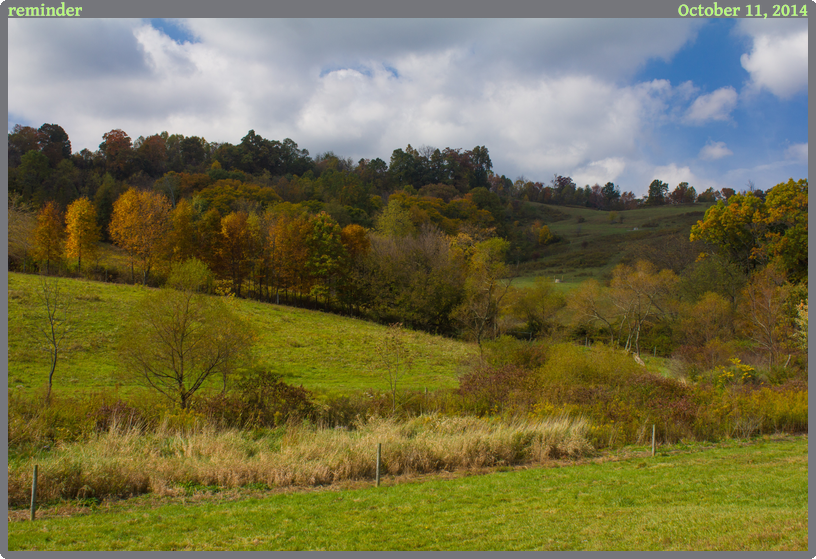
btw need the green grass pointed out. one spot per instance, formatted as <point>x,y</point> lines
<point>319,350</point>
<point>732,497</point>
<point>607,243</point>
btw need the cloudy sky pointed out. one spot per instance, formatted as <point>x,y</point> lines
<point>716,103</point>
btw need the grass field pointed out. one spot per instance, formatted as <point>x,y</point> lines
<point>727,497</point>
<point>592,244</point>
<point>319,350</point>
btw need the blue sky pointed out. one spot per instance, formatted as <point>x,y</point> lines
<point>715,103</point>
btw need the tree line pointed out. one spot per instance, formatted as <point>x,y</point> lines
<point>423,241</point>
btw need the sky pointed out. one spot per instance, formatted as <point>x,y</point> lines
<point>712,102</point>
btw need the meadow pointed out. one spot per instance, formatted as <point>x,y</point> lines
<point>730,496</point>
<point>318,350</point>
<point>591,244</point>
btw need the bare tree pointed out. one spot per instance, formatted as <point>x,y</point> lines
<point>640,293</point>
<point>762,311</point>
<point>178,338</point>
<point>53,322</point>
<point>395,359</point>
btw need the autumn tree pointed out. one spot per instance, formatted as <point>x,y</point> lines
<point>49,236</point>
<point>590,304</point>
<point>734,227</point>
<point>640,293</point>
<point>176,339</point>
<point>117,149</point>
<point>140,225</point>
<point>82,231</point>
<point>683,194</point>
<point>537,305</point>
<point>326,255</point>
<point>703,321</point>
<point>485,287</point>
<point>22,221</point>
<point>395,221</point>
<point>235,248</point>
<point>762,310</point>
<point>183,233</point>
<point>786,237</point>
<point>357,245</point>
<point>751,231</point>
<point>545,236</point>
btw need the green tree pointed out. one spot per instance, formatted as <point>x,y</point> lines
<point>657,193</point>
<point>395,221</point>
<point>31,175</point>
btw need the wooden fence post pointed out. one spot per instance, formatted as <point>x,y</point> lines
<point>653,439</point>
<point>379,453</point>
<point>34,493</point>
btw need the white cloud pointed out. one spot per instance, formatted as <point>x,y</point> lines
<point>713,106</point>
<point>715,150</point>
<point>545,96</point>
<point>600,172</point>
<point>798,152</point>
<point>778,60</point>
<point>672,174</point>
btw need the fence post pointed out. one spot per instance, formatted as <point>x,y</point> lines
<point>34,493</point>
<point>653,439</point>
<point>379,452</point>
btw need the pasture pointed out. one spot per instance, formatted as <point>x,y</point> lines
<point>731,496</point>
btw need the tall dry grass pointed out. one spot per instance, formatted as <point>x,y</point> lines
<point>124,462</point>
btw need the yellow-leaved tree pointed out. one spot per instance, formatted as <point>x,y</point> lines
<point>48,236</point>
<point>140,224</point>
<point>82,231</point>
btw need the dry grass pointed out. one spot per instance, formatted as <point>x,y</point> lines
<point>126,462</point>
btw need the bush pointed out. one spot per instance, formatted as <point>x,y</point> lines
<point>262,400</point>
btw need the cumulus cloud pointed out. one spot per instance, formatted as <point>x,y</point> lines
<point>600,172</point>
<point>674,174</point>
<point>545,96</point>
<point>715,150</point>
<point>713,106</point>
<point>778,60</point>
<point>797,152</point>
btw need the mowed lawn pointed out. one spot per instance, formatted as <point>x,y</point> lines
<point>732,497</point>
<point>319,350</point>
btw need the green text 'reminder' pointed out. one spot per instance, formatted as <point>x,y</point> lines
<point>43,11</point>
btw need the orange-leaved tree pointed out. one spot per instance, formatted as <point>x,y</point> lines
<point>82,232</point>
<point>140,224</point>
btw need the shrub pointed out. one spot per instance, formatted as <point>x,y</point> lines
<point>262,400</point>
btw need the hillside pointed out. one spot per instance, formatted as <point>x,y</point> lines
<point>592,242</point>
<point>319,350</point>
